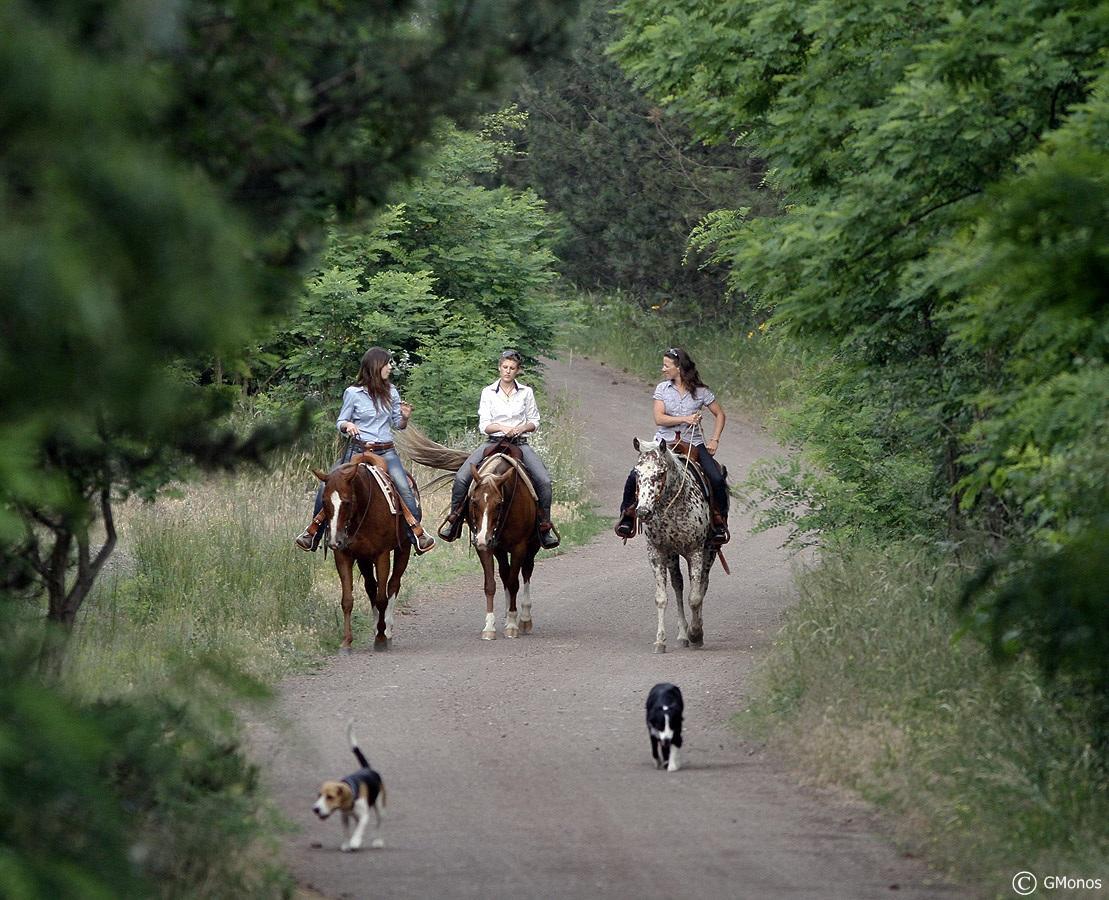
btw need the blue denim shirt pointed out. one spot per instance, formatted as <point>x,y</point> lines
<point>374,425</point>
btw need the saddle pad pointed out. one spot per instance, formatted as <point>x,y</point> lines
<point>521,473</point>
<point>386,484</point>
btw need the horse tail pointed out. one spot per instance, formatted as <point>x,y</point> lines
<point>423,450</point>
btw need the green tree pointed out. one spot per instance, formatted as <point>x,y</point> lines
<point>446,277</point>
<point>166,172</point>
<point>945,169</point>
<point>628,178</point>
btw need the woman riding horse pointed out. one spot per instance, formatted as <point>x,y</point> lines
<point>679,402</point>
<point>506,412</point>
<point>372,407</point>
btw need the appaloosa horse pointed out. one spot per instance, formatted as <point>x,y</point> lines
<point>501,515</point>
<point>677,523</point>
<point>363,529</point>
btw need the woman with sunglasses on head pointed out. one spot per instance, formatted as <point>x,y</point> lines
<point>680,401</point>
<point>506,411</point>
<point>372,408</point>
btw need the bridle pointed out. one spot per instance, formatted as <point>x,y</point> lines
<point>505,507</point>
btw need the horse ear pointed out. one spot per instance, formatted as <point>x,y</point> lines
<point>635,442</point>
<point>473,471</point>
<point>322,476</point>
<point>662,444</point>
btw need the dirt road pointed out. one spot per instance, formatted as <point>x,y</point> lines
<point>521,768</point>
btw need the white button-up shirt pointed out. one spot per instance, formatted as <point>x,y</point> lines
<point>514,409</point>
<point>675,403</point>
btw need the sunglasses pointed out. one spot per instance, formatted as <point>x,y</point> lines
<point>511,354</point>
<point>672,353</point>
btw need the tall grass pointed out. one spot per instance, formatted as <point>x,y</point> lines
<point>213,571</point>
<point>735,361</point>
<point>986,769</point>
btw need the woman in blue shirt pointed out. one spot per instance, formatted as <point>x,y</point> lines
<point>372,407</point>
<point>679,404</point>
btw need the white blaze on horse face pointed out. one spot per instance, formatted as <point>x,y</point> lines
<point>482,536</point>
<point>335,501</point>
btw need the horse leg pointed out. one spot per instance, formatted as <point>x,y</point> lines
<point>525,591</point>
<point>678,582</point>
<point>380,600</point>
<point>400,563</point>
<point>699,570</point>
<point>489,632</point>
<point>661,566</point>
<point>344,565</point>
<point>510,577</point>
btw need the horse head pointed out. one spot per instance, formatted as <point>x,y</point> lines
<point>345,501</point>
<point>486,504</point>
<point>652,470</point>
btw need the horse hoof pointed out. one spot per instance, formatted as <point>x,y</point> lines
<point>660,648</point>
<point>525,627</point>
<point>698,641</point>
<point>682,642</point>
<point>489,635</point>
<point>511,632</point>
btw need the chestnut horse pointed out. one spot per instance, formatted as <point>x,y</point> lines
<point>501,515</point>
<point>362,529</point>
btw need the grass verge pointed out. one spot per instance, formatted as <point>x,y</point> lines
<point>986,771</point>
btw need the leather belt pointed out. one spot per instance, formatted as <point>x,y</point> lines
<point>375,448</point>
<point>508,440</point>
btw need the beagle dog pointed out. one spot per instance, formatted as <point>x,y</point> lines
<point>664,725</point>
<point>354,796</point>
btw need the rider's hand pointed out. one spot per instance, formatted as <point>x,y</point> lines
<point>712,445</point>
<point>405,409</point>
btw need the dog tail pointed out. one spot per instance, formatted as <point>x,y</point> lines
<point>354,745</point>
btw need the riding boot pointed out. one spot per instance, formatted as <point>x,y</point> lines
<point>720,535</point>
<point>310,538</point>
<point>422,542</point>
<point>451,528</point>
<point>548,536</point>
<point>626,527</point>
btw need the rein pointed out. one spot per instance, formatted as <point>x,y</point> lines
<point>685,469</point>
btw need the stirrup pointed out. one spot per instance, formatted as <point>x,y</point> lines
<point>309,540</point>
<point>451,530</point>
<point>423,543</point>
<point>549,539</point>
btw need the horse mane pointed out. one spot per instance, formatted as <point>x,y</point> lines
<point>423,450</point>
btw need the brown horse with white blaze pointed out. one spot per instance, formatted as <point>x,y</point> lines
<point>501,515</point>
<point>364,530</point>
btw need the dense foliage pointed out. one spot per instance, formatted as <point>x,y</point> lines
<point>945,169</point>
<point>628,178</point>
<point>446,277</point>
<point>166,170</point>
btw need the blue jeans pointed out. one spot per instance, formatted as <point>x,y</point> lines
<point>540,477</point>
<point>396,472</point>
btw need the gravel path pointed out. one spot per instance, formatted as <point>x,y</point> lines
<point>521,768</point>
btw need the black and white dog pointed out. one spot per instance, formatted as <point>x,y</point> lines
<point>354,796</point>
<point>664,725</point>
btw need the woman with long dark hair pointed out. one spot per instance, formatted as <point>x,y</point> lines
<point>372,408</point>
<point>679,404</point>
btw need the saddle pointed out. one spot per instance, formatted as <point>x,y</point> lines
<point>506,446</point>
<point>380,471</point>
<point>681,448</point>
<point>488,462</point>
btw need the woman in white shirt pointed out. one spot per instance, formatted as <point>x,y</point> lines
<point>507,411</point>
